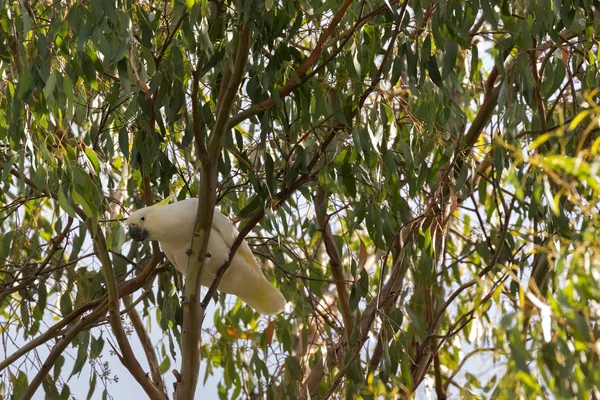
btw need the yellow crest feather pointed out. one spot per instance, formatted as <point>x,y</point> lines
<point>164,202</point>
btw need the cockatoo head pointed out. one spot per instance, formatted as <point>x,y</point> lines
<point>139,224</point>
<point>151,222</point>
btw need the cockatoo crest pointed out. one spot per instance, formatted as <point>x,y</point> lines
<point>165,201</point>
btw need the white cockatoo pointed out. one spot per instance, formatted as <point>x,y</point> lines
<point>173,226</point>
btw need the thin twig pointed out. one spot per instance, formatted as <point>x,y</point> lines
<point>335,260</point>
<point>138,326</point>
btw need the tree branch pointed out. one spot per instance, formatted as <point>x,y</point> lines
<point>392,288</point>
<point>60,346</point>
<point>125,288</point>
<point>138,325</point>
<point>335,260</point>
<point>384,299</point>
<point>56,243</point>
<point>113,294</point>
<point>440,389</point>
<point>462,363</point>
<point>300,72</point>
<point>158,58</point>
<point>193,314</point>
<point>129,359</point>
<point>538,89</point>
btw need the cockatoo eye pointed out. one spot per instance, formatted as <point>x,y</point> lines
<point>143,219</point>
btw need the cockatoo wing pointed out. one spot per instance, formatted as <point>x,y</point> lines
<point>244,277</point>
<point>172,225</point>
<point>169,253</point>
<point>229,234</point>
<point>178,254</point>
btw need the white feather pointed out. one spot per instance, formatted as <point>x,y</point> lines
<point>172,226</point>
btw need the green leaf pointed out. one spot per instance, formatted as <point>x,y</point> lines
<point>24,82</point>
<point>355,372</point>
<point>553,78</point>
<point>406,153</point>
<point>91,155</point>
<point>434,72</point>
<point>124,142</point>
<point>252,206</point>
<point>8,164</point>
<point>6,243</point>
<point>405,369</point>
<point>474,68</point>
<point>42,300</point>
<point>397,68</point>
<point>96,347</point>
<point>489,13</point>
<point>82,352</point>
<point>518,350</point>
<point>462,178</point>
<point>80,200</point>
<point>26,20</point>
<point>60,361</point>
<point>65,393</point>
<point>293,367</point>
<point>165,365</point>
<point>450,55</point>
<point>24,315</point>
<point>578,118</point>
<point>66,305</point>
<point>92,386</point>
<point>50,85</point>
<point>20,384</point>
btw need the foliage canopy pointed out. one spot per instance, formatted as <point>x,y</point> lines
<point>419,178</point>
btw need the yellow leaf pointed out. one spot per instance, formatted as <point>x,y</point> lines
<point>578,119</point>
<point>596,146</point>
<point>555,203</point>
<point>539,141</point>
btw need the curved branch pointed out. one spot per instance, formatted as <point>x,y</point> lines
<point>125,288</point>
<point>138,325</point>
<point>335,260</point>
<point>158,58</point>
<point>300,72</point>
<point>392,288</point>
<point>193,315</point>
<point>463,361</point>
<point>56,242</point>
<point>129,359</point>
<point>60,346</point>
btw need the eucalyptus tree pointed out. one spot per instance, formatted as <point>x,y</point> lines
<point>418,178</point>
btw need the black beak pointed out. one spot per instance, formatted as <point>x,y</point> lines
<point>138,233</point>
